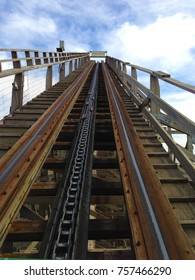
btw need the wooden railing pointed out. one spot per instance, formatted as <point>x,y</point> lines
<point>16,62</point>
<point>20,60</point>
<point>166,119</point>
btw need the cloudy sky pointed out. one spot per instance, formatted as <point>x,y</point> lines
<point>155,34</point>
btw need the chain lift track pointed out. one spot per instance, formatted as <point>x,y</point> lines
<point>70,204</point>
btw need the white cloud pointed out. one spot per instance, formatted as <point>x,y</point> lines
<point>182,101</point>
<point>151,33</point>
<point>19,31</point>
<point>165,43</point>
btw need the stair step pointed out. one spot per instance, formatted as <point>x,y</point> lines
<point>188,224</point>
<point>165,166</point>
<point>187,199</point>
<point>173,180</point>
<point>157,144</point>
<point>158,154</point>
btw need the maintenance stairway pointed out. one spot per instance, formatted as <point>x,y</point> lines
<point>84,170</point>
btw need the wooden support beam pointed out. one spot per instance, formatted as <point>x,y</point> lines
<point>17,92</point>
<point>26,212</point>
<point>26,231</point>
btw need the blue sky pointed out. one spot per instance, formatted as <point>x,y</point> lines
<point>155,34</point>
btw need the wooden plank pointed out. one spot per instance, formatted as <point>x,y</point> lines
<point>26,231</point>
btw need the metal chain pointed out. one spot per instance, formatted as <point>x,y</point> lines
<point>65,235</point>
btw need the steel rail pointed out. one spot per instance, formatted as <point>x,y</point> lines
<point>157,223</point>
<point>17,171</point>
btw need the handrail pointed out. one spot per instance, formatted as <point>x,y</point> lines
<point>158,111</point>
<point>183,121</point>
<point>34,59</point>
<point>120,68</point>
<point>159,74</point>
<point>19,62</point>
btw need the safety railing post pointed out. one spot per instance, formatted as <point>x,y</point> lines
<point>75,64</point>
<point>119,68</point>
<point>49,77</point>
<point>70,66</point>
<point>134,75</point>
<point>17,86</point>
<point>62,71</point>
<point>17,92</point>
<point>123,73</point>
<point>155,88</point>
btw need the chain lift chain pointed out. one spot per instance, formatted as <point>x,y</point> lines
<point>63,244</point>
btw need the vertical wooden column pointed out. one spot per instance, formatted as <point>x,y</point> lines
<point>124,72</point>
<point>62,71</point>
<point>189,144</point>
<point>155,88</point>
<point>17,86</point>
<point>79,62</point>
<point>119,69</point>
<point>134,75</point>
<point>49,75</point>
<point>70,66</point>
<point>75,64</point>
<point>17,92</point>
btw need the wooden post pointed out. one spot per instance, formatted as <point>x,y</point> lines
<point>70,66</point>
<point>134,75</point>
<point>48,78</point>
<point>155,88</point>
<point>17,92</point>
<point>124,72</point>
<point>75,64</point>
<point>62,71</point>
<point>189,145</point>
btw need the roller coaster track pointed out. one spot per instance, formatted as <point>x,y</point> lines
<point>82,168</point>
